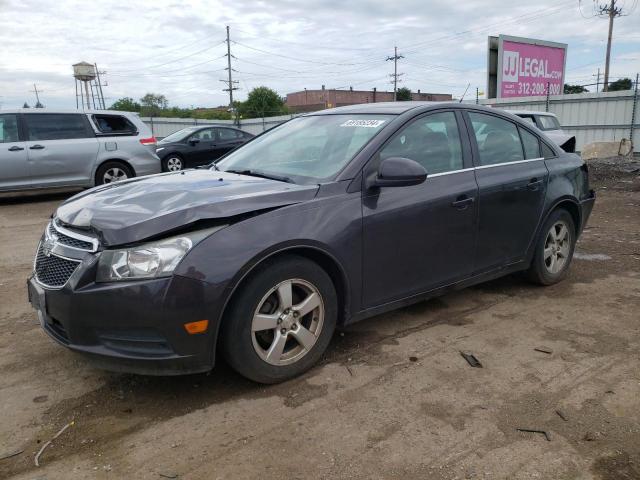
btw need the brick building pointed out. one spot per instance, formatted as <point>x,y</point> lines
<point>312,100</point>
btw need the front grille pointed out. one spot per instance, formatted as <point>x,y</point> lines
<point>69,241</point>
<point>53,271</point>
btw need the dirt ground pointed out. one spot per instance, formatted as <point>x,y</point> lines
<point>393,397</point>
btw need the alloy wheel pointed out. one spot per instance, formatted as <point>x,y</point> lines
<point>174,164</point>
<point>114,174</point>
<point>557,247</point>
<point>288,321</point>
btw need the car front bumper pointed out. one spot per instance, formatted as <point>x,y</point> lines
<point>136,326</point>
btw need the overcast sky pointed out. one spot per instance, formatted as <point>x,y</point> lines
<point>176,48</point>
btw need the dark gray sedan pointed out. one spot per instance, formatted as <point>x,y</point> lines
<point>325,220</point>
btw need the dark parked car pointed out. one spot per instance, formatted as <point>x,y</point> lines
<point>195,146</point>
<point>325,220</point>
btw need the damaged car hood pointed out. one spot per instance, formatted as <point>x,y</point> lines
<point>144,207</point>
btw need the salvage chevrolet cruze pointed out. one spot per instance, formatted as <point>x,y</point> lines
<point>324,220</point>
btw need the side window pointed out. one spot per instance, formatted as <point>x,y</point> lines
<point>114,124</point>
<point>9,128</point>
<point>548,122</point>
<point>206,135</point>
<point>56,126</point>
<point>547,152</point>
<point>228,134</point>
<point>433,141</point>
<point>530,143</point>
<point>498,139</point>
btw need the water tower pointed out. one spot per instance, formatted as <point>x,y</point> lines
<point>88,85</point>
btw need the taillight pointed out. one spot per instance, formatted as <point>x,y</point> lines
<point>148,141</point>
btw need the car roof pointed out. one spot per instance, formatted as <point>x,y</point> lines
<point>531,112</point>
<point>63,110</point>
<point>398,108</point>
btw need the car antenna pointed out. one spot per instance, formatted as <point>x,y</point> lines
<point>465,92</point>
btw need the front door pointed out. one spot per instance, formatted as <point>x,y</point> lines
<point>14,167</point>
<point>202,147</point>
<point>512,178</point>
<point>420,237</point>
<point>62,149</point>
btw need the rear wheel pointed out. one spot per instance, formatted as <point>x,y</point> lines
<point>281,320</point>
<point>173,163</point>
<point>112,171</point>
<point>554,249</point>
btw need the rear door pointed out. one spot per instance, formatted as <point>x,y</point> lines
<point>14,165</point>
<point>62,149</point>
<point>201,147</point>
<point>227,140</point>
<point>512,179</point>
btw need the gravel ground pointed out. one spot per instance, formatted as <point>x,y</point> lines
<point>393,398</point>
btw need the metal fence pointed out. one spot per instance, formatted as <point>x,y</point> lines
<point>162,127</point>
<point>591,117</point>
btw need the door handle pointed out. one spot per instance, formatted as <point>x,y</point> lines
<point>534,183</point>
<point>16,148</point>
<point>36,147</point>
<point>462,202</point>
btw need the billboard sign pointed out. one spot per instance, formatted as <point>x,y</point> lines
<point>527,67</point>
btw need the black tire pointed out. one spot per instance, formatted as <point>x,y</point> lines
<point>237,338</point>
<point>113,166</point>
<point>540,271</point>
<point>170,162</point>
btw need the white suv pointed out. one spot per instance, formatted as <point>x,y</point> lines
<point>42,148</point>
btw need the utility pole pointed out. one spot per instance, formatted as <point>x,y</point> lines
<point>35,89</point>
<point>612,11</point>
<point>597,80</point>
<point>395,74</point>
<point>230,82</point>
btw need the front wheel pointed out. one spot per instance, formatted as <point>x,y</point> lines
<point>173,163</point>
<point>281,320</point>
<point>554,249</point>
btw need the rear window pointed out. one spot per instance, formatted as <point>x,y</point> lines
<point>56,126</point>
<point>228,134</point>
<point>8,128</point>
<point>114,125</point>
<point>548,122</point>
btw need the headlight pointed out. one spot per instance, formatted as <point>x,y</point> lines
<point>150,260</point>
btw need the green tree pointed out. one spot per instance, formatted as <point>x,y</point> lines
<point>620,84</point>
<point>152,104</point>
<point>262,102</point>
<point>403,94</point>
<point>125,104</point>
<point>574,88</point>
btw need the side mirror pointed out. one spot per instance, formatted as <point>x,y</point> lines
<point>194,141</point>
<point>398,172</point>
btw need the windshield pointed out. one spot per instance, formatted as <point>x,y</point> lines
<point>306,149</point>
<point>177,136</point>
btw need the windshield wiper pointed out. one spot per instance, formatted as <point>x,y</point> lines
<point>256,173</point>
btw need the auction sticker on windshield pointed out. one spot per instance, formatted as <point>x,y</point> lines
<point>363,123</point>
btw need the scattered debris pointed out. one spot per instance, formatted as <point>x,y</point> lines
<point>590,256</point>
<point>562,415</point>
<point>471,359</point>
<point>4,456</point>
<point>592,436</point>
<point>168,475</point>
<point>610,392</point>
<point>546,350</point>
<point>349,370</point>
<point>413,359</point>
<point>532,430</point>
<point>60,432</point>
<point>40,399</point>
